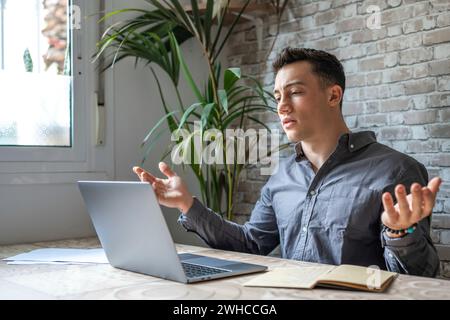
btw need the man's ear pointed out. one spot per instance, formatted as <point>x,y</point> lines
<point>335,95</point>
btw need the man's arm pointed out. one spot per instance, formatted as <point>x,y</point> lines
<point>412,253</point>
<point>258,236</point>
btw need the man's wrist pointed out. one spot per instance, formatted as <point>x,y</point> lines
<point>398,233</point>
<point>186,205</point>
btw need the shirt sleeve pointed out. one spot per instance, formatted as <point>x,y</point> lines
<point>258,236</point>
<point>413,253</point>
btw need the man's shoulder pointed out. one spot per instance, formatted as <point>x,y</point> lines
<point>394,160</point>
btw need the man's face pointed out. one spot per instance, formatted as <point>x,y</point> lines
<point>302,101</point>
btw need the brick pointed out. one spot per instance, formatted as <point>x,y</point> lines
<point>394,3</point>
<point>421,70</point>
<point>373,78</point>
<point>393,31</point>
<point>326,17</point>
<point>327,44</point>
<point>445,236</point>
<point>416,25</point>
<point>396,118</point>
<point>396,90</point>
<point>362,8</point>
<point>440,5</point>
<point>442,159</point>
<point>421,8</point>
<point>445,147</point>
<point>305,10</point>
<point>398,14</point>
<point>419,102</point>
<point>398,133</point>
<point>371,107</point>
<point>422,146</point>
<point>419,132</point>
<point>419,86</point>
<point>444,115</point>
<point>367,35</point>
<point>439,67</point>
<point>324,5</point>
<point>420,117</point>
<point>440,130</point>
<point>397,74</point>
<point>380,62</point>
<point>444,270</point>
<point>437,36</point>
<point>376,120</point>
<point>443,19</point>
<point>350,66</point>
<point>399,43</point>
<point>351,94</point>
<point>416,55</point>
<point>352,121</point>
<point>369,93</point>
<point>442,51</point>
<point>352,108</point>
<point>355,23</point>
<point>349,11</point>
<point>444,83</point>
<point>340,3</point>
<point>440,100</point>
<point>313,34</point>
<point>355,80</point>
<point>394,105</point>
<point>329,30</point>
<point>435,236</point>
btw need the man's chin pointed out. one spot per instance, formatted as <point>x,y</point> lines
<point>293,137</point>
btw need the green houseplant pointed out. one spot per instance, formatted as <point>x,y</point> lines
<point>227,100</point>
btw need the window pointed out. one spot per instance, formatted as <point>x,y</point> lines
<point>47,90</point>
<point>35,73</point>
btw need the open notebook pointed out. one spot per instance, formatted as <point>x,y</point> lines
<point>343,276</point>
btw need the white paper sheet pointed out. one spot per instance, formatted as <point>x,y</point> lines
<point>59,256</point>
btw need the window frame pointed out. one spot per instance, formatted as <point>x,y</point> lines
<point>48,164</point>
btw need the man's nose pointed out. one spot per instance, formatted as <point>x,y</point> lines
<point>284,106</point>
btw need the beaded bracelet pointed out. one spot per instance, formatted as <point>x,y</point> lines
<point>405,231</point>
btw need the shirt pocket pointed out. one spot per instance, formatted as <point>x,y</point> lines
<point>352,207</point>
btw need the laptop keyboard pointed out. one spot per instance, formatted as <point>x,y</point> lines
<point>195,270</point>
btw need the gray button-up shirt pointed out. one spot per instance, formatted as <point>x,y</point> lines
<point>332,216</point>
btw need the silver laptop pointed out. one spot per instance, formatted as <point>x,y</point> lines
<point>134,234</point>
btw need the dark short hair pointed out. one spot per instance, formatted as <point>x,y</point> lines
<point>325,65</point>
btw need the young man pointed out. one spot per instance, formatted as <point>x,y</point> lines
<point>332,201</point>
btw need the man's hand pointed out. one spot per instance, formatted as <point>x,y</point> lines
<point>411,208</point>
<point>171,192</point>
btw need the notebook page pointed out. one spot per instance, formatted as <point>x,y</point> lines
<point>291,277</point>
<point>361,276</point>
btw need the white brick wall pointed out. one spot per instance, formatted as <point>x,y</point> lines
<point>398,81</point>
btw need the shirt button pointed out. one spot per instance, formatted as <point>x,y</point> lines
<point>304,229</point>
<point>352,146</point>
<point>312,192</point>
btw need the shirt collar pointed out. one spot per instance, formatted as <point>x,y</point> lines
<point>353,141</point>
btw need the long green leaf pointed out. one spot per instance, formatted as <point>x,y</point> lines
<point>223,99</point>
<point>156,126</point>
<point>187,113</point>
<point>186,72</point>
<point>205,115</point>
<point>231,75</point>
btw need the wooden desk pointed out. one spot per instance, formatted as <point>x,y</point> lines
<point>106,282</point>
